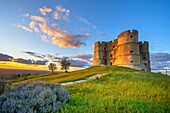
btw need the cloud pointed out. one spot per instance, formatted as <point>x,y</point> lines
<point>62,38</point>
<point>45,10</point>
<point>38,62</point>
<point>34,54</point>
<point>84,57</point>
<point>33,26</point>
<point>55,32</point>
<point>84,20</point>
<point>26,15</point>
<point>24,28</point>
<point>61,13</point>
<point>44,38</point>
<point>43,27</point>
<point>63,10</point>
<point>79,63</point>
<point>43,56</point>
<point>160,60</point>
<point>51,32</point>
<point>70,40</point>
<point>38,18</point>
<point>56,16</point>
<point>5,57</point>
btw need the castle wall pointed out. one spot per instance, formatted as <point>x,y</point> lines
<point>123,51</point>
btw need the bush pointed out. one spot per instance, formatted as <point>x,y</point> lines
<point>4,85</point>
<point>34,97</point>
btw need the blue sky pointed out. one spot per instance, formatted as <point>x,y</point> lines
<point>90,20</point>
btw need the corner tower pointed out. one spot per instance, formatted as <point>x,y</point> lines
<point>144,56</point>
<point>128,50</point>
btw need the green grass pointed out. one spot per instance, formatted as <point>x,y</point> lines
<point>62,77</point>
<point>121,90</point>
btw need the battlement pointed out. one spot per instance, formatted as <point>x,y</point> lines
<point>125,50</point>
<point>128,32</point>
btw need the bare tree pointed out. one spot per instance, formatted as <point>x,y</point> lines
<point>52,67</point>
<point>65,64</point>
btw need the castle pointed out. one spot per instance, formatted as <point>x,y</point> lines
<point>125,51</point>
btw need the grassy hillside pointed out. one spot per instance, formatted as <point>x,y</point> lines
<point>121,90</point>
<point>63,77</point>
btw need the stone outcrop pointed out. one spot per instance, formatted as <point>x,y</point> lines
<point>125,51</point>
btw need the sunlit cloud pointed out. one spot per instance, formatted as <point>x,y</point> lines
<point>55,32</point>
<point>45,10</point>
<point>43,27</point>
<point>63,10</point>
<point>70,40</point>
<point>33,26</point>
<point>62,38</point>
<point>56,16</point>
<point>51,32</point>
<point>24,28</point>
<point>38,18</point>
<point>5,57</point>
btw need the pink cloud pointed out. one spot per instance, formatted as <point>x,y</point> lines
<point>38,18</point>
<point>45,10</point>
<point>56,15</point>
<point>63,10</point>
<point>33,26</point>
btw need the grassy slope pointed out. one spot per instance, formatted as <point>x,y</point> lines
<point>121,90</point>
<point>62,77</point>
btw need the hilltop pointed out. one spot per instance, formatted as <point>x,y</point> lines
<point>121,90</point>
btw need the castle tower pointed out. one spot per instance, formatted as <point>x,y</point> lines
<point>96,54</point>
<point>102,53</point>
<point>145,57</point>
<point>127,53</point>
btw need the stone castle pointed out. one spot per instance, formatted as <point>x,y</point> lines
<point>125,51</point>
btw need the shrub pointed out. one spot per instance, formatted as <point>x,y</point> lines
<point>4,85</point>
<point>34,97</point>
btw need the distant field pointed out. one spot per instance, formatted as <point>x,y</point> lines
<point>13,73</point>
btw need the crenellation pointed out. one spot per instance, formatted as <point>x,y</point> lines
<point>126,51</point>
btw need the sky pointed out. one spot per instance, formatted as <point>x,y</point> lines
<point>39,32</point>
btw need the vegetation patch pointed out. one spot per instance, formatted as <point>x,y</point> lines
<point>34,97</point>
